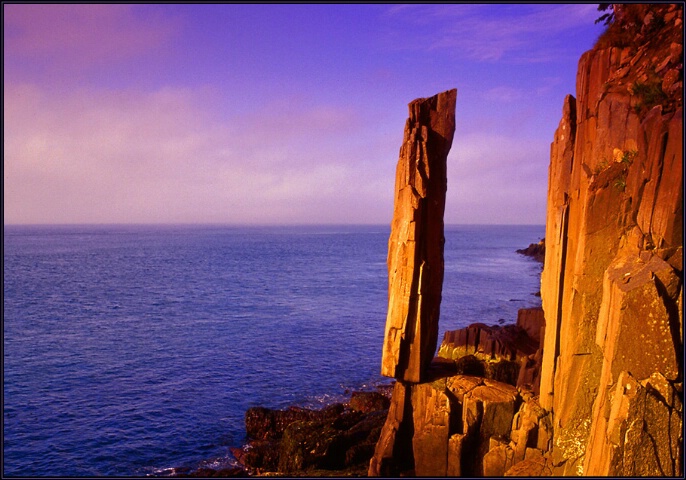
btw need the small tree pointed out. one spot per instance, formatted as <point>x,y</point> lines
<point>606,18</point>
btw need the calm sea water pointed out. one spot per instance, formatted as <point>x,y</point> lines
<point>129,350</point>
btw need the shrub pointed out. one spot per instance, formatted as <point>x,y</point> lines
<point>602,165</point>
<point>649,94</point>
<point>628,157</point>
<point>624,25</point>
<point>616,37</point>
<point>620,184</point>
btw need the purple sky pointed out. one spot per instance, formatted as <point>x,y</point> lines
<point>277,114</point>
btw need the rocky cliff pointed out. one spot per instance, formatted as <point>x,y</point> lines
<point>602,394</point>
<point>612,280</point>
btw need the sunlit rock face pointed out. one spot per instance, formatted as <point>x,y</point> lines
<point>476,413</point>
<point>612,280</point>
<point>445,427</point>
<point>604,394</point>
<point>415,247</point>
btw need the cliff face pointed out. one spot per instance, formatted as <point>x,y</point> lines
<point>602,394</point>
<point>612,282</point>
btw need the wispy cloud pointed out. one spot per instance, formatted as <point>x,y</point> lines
<point>126,156</point>
<point>476,32</point>
<point>504,94</point>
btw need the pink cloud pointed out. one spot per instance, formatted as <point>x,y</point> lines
<point>81,35</point>
<point>166,156</point>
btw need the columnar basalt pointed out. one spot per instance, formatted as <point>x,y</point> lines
<point>415,247</point>
<point>611,288</point>
<point>476,413</point>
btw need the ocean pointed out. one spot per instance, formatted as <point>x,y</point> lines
<point>131,350</point>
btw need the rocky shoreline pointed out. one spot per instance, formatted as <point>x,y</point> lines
<point>535,251</point>
<point>335,441</point>
<point>340,439</point>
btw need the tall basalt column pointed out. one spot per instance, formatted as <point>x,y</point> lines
<point>415,247</point>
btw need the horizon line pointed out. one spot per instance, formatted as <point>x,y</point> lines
<point>250,225</point>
